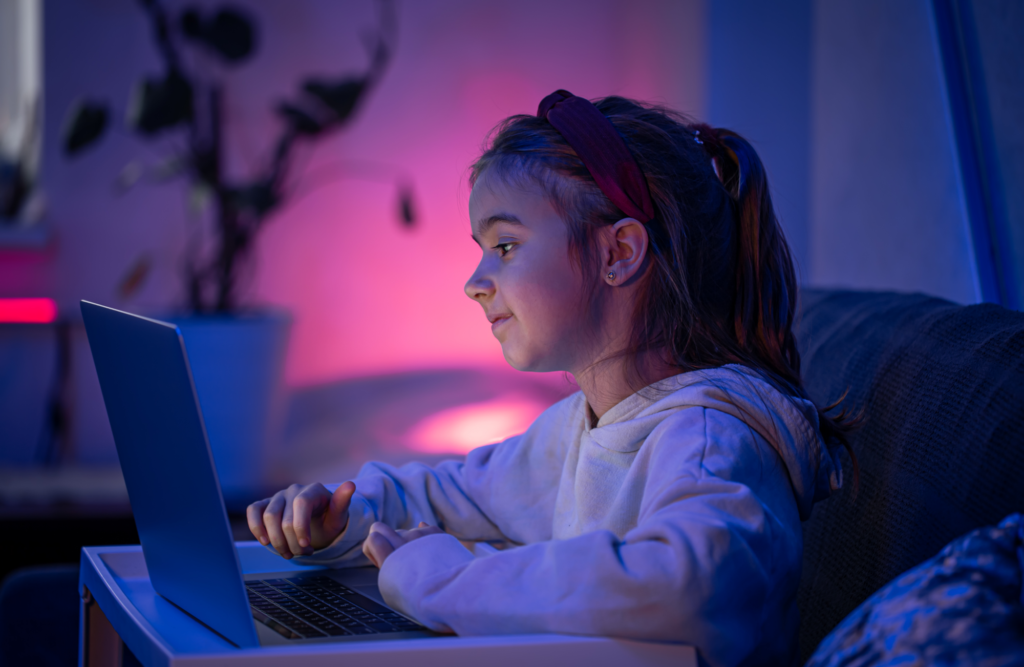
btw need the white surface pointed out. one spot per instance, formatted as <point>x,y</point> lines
<point>160,634</point>
<point>512,651</point>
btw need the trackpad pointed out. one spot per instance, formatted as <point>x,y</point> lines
<point>361,579</point>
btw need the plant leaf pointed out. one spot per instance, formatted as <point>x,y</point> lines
<point>159,104</point>
<point>84,124</point>
<point>299,119</point>
<point>340,97</point>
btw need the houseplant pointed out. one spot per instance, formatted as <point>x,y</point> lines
<point>236,353</point>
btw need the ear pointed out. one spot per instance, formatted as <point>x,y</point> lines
<point>624,252</point>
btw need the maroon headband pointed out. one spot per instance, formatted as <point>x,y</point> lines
<point>603,151</point>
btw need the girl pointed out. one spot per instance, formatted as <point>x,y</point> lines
<point>639,252</point>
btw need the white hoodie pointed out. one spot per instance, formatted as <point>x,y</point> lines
<point>676,518</point>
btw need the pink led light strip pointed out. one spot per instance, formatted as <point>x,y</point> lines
<point>28,311</point>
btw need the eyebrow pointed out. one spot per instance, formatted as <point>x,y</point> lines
<point>486,223</point>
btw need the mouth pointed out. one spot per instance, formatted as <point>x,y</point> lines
<point>498,320</point>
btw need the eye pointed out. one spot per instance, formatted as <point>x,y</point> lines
<point>504,248</point>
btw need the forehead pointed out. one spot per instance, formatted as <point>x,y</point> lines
<point>494,198</point>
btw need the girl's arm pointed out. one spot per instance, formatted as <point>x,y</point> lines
<point>467,499</point>
<point>405,497</point>
<point>715,553</point>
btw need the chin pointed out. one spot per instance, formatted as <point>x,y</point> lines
<point>512,360</point>
<point>524,363</point>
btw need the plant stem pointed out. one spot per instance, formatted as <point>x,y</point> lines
<point>228,231</point>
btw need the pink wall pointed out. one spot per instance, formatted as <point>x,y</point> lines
<point>367,296</point>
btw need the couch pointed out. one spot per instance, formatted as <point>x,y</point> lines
<point>941,448</point>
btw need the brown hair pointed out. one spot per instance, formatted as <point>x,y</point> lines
<point>721,288</point>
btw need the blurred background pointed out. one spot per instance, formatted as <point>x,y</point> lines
<point>330,139</point>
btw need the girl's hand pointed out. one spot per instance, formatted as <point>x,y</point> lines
<point>383,540</point>
<point>300,519</point>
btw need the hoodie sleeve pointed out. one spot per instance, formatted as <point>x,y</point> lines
<point>467,499</point>
<point>698,568</point>
<point>403,497</point>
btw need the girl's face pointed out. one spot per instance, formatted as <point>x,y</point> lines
<point>528,287</point>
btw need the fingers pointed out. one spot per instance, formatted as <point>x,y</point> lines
<point>337,515</point>
<point>381,543</point>
<point>300,519</point>
<point>377,548</point>
<point>272,518</point>
<point>288,521</point>
<point>383,540</point>
<point>308,505</point>
<point>254,515</point>
<point>422,530</point>
<point>318,516</point>
<point>388,533</point>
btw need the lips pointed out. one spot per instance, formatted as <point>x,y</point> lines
<point>498,320</point>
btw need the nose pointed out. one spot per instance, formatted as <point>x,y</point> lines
<point>480,286</point>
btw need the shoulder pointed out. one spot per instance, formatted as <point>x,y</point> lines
<point>701,441</point>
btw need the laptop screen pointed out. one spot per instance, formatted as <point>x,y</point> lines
<point>168,468</point>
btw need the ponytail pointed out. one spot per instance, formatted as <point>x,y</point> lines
<point>765,280</point>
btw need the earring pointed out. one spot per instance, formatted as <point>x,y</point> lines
<point>611,276</point>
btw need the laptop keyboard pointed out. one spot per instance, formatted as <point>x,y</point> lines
<point>306,607</point>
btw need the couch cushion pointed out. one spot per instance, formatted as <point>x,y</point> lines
<point>942,447</point>
<point>961,607</point>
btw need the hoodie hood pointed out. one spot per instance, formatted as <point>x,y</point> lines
<point>789,424</point>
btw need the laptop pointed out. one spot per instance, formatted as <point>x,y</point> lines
<point>179,511</point>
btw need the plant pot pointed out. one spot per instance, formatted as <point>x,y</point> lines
<point>238,368</point>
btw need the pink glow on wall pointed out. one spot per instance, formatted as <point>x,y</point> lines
<point>460,429</point>
<point>28,311</point>
<point>367,296</point>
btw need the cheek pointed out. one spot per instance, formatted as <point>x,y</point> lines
<point>550,297</point>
